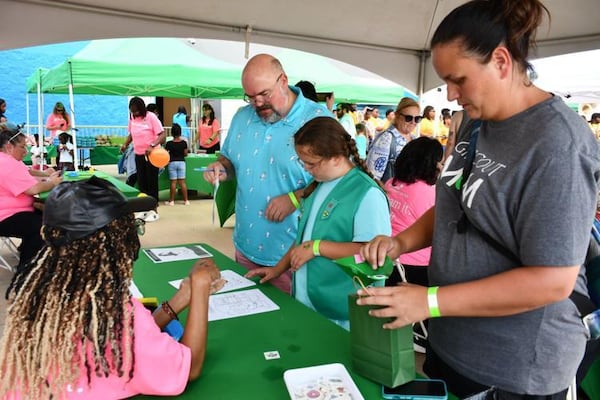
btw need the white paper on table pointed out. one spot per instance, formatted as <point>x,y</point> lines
<point>239,304</point>
<point>169,254</point>
<point>135,291</point>
<point>234,281</point>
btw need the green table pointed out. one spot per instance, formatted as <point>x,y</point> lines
<point>127,190</point>
<point>193,179</point>
<point>591,383</point>
<point>102,155</point>
<point>235,366</point>
<point>50,153</point>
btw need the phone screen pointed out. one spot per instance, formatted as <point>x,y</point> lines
<point>425,387</point>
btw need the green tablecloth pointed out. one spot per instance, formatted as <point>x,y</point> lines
<point>591,383</point>
<point>102,155</point>
<point>193,179</point>
<point>127,190</point>
<point>235,366</point>
<point>50,149</point>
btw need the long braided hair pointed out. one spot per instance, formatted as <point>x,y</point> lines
<point>327,138</point>
<point>71,308</point>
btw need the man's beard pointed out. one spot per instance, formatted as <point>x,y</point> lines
<point>271,119</point>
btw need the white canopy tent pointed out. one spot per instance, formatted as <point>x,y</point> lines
<point>576,77</point>
<point>387,37</point>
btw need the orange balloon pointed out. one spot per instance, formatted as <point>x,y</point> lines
<point>159,157</point>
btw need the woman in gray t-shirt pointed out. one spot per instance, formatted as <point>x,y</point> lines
<point>511,224</point>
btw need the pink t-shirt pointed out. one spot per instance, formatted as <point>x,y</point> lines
<point>144,132</point>
<point>206,131</point>
<point>407,204</point>
<point>15,179</point>
<point>56,119</point>
<point>162,366</point>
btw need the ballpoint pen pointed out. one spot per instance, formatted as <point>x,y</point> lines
<point>206,169</point>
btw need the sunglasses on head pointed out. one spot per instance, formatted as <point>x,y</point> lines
<point>410,118</point>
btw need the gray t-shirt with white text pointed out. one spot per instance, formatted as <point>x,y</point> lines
<point>532,189</point>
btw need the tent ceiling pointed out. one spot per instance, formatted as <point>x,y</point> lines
<point>388,37</point>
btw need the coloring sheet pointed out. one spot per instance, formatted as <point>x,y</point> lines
<point>233,280</point>
<point>169,254</point>
<point>238,304</point>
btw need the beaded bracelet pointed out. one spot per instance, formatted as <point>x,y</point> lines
<point>169,310</point>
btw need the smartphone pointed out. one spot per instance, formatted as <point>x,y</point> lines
<point>418,389</point>
<point>323,96</point>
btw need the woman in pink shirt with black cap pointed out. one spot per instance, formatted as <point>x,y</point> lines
<point>72,329</point>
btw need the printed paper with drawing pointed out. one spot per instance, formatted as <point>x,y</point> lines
<point>169,254</point>
<point>239,304</point>
<point>233,280</point>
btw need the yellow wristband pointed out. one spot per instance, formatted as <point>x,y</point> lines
<point>432,302</point>
<point>294,200</point>
<point>316,244</point>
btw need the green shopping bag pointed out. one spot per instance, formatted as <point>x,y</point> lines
<point>385,356</point>
<point>356,266</point>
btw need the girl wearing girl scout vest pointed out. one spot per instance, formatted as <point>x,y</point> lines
<point>341,209</point>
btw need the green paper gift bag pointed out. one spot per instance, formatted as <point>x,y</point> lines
<point>356,266</point>
<point>385,356</point>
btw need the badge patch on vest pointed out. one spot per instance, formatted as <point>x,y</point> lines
<point>328,209</point>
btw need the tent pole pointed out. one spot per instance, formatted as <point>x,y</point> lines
<point>27,113</point>
<point>73,126</point>
<point>421,81</point>
<point>41,137</point>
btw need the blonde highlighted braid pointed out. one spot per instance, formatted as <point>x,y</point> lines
<point>71,308</point>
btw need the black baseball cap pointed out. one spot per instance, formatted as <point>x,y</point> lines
<point>81,208</point>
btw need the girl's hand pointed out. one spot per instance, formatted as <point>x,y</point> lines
<point>375,251</point>
<point>204,272</point>
<point>267,273</point>
<point>300,255</point>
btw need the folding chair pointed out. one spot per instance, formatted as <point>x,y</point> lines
<point>7,245</point>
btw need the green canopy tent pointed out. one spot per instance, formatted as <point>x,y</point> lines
<point>139,67</point>
<point>144,67</point>
<point>350,84</point>
<point>209,69</point>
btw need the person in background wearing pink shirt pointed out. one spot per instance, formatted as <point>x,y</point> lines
<point>58,121</point>
<point>72,329</point>
<point>209,130</point>
<point>146,132</point>
<point>410,193</point>
<point>18,218</point>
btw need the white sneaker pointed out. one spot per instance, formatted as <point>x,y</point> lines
<point>140,215</point>
<point>151,216</point>
<point>169,203</point>
<point>187,203</point>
